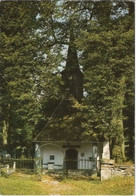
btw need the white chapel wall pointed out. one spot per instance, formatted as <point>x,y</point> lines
<point>52,150</point>
<point>85,152</point>
<point>87,149</point>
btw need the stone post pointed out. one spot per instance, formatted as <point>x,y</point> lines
<point>106,150</point>
<point>14,165</point>
<point>7,169</point>
<point>106,168</point>
<point>106,163</point>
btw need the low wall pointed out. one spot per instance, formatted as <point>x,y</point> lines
<point>69,173</point>
<point>109,170</point>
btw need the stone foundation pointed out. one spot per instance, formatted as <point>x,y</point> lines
<point>123,170</point>
<point>70,173</point>
<point>109,170</point>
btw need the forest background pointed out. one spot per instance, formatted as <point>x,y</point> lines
<point>34,96</point>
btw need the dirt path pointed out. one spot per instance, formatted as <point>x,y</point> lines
<point>52,184</point>
<point>56,187</point>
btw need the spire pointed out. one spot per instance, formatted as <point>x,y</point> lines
<point>72,75</point>
<point>72,60</point>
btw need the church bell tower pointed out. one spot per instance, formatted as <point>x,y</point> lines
<point>72,75</point>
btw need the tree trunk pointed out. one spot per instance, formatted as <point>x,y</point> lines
<point>5,132</point>
<point>118,144</point>
<point>6,128</point>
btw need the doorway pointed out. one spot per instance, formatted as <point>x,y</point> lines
<point>71,159</point>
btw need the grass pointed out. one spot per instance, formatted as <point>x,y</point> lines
<point>22,186</point>
<point>116,186</point>
<point>19,184</point>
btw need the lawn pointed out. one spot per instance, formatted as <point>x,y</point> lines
<point>28,185</point>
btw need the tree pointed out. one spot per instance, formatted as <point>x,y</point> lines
<point>18,50</point>
<point>108,59</point>
<point>59,44</point>
<point>27,72</point>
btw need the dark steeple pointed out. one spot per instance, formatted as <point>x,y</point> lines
<point>72,75</point>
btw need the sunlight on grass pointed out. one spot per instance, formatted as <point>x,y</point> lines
<point>21,186</point>
<point>15,185</point>
<point>116,186</point>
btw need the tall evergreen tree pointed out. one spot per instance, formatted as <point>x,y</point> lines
<point>108,59</point>
<point>99,37</point>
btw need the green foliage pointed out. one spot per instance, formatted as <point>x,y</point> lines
<point>34,40</point>
<point>108,62</point>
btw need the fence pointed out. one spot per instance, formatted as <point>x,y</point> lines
<point>20,163</point>
<point>82,164</point>
<point>69,164</point>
